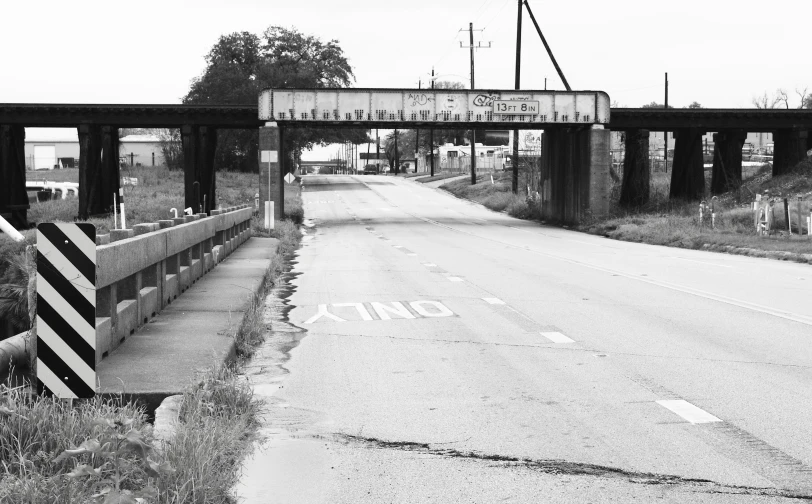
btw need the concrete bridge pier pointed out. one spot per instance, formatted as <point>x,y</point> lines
<point>688,171</point>
<point>635,190</point>
<point>575,180</point>
<point>727,160</point>
<point>271,184</point>
<point>13,196</point>
<point>789,148</point>
<point>199,147</point>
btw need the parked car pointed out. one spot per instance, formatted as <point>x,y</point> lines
<point>370,169</point>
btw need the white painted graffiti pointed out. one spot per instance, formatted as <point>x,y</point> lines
<point>384,311</point>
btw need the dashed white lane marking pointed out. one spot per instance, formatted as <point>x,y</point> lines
<point>557,337</point>
<point>688,411</point>
<point>454,279</point>
<point>412,254</point>
<point>398,246</point>
<point>430,265</point>
<point>494,301</point>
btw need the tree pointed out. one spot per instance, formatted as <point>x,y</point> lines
<point>655,105</point>
<point>241,64</point>
<point>764,101</point>
<point>695,105</point>
<point>405,144</point>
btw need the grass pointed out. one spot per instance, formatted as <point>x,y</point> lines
<point>676,223</point>
<point>294,211</point>
<point>496,196</point>
<point>159,189</point>
<point>217,425</point>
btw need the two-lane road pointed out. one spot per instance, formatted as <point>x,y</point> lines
<point>454,354</point>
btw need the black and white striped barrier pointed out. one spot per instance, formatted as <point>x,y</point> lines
<point>66,310</point>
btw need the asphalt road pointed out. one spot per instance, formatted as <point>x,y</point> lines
<point>455,354</point>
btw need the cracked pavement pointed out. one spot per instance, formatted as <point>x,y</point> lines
<point>440,352</point>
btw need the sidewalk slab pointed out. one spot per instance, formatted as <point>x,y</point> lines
<point>191,334</point>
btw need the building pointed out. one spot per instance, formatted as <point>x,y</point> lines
<point>49,148</point>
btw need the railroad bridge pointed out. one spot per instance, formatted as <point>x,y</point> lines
<point>575,139</point>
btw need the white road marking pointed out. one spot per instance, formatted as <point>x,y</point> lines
<point>688,411</point>
<point>430,265</point>
<point>397,308</point>
<point>494,301</point>
<point>323,313</point>
<point>454,279</point>
<point>442,311</point>
<point>412,254</point>
<point>557,337</point>
<point>362,310</point>
<point>398,246</point>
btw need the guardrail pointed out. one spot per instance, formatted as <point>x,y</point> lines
<point>140,271</point>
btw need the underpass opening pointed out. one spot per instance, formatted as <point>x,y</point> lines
<point>573,179</point>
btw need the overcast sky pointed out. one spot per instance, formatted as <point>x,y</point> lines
<point>720,53</point>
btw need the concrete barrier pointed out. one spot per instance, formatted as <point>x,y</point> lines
<point>141,271</point>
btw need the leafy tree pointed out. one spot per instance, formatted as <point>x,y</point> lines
<point>695,105</point>
<point>241,64</point>
<point>655,105</point>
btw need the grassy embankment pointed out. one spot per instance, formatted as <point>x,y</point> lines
<point>676,223</point>
<point>117,452</point>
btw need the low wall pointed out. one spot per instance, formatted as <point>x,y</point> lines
<point>140,271</point>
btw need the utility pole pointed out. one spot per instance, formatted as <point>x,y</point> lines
<point>665,133</point>
<point>546,46</point>
<point>431,131</point>
<point>473,131</point>
<point>417,137</point>
<point>515,164</point>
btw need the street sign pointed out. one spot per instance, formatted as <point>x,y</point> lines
<point>289,178</point>
<point>516,107</point>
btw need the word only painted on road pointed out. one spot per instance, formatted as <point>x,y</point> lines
<point>342,312</point>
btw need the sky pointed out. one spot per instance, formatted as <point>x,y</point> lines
<point>719,53</point>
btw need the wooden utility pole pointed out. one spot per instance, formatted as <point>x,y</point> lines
<point>665,133</point>
<point>515,164</point>
<point>473,131</point>
<point>431,131</point>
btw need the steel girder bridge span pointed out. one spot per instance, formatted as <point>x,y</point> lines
<point>575,154</point>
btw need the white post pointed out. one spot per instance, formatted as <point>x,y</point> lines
<point>269,224</point>
<point>7,228</point>
<point>115,212</point>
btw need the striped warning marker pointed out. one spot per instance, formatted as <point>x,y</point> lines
<point>66,310</point>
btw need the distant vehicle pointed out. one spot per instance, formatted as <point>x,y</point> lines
<point>370,170</point>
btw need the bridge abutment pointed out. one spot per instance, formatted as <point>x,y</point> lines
<point>688,171</point>
<point>575,173</point>
<point>790,146</point>
<point>635,190</point>
<point>13,196</point>
<point>727,160</point>
<point>271,185</point>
